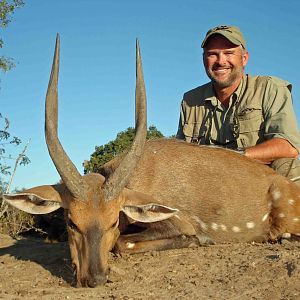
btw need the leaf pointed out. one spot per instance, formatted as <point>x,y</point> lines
<point>15,141</point>
<point>24,161</point>
<point>4,135</point>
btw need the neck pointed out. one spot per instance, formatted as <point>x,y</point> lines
<point>224,93</point>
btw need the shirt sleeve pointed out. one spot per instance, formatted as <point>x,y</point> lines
<point>180,135</point>
<point>280,118</point>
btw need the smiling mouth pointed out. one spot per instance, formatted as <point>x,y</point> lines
<point>221,71</point>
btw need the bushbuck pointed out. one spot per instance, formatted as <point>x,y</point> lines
<point>161,194</point>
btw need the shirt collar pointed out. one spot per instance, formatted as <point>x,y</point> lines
<point>210,96</point>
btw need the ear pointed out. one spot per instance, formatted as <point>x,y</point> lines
<point>143,208</point>
<point>245,58</point>
<point>149,213</point>
<point>39,200</point>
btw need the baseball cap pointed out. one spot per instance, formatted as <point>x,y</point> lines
<point>231,33</point>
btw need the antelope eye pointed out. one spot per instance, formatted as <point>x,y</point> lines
<point>72,225</point>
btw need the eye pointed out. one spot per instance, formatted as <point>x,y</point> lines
<point>72,225</point>
<point>229,53</point>
<point>211,55</point>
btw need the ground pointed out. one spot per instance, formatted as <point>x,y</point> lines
<point>35,269</point>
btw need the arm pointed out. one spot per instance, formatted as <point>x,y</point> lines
<point>270,150</point>
<point>281,130</point>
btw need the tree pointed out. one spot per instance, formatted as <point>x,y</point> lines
<point>7,9</point>
<point>7,140</point>
<point>108,151</point>
<point>12,221</point>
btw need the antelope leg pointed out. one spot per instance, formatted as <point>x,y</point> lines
<point>126,245</point>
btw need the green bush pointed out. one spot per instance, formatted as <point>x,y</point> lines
<point>121,143</point>
<point>13,221</point>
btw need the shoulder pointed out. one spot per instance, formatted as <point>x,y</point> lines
<point>268,81</point>
<point>197,95</point>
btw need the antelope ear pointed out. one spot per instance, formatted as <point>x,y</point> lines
<point>39,200</point>
<point>141,207</point>
<point>149,213</point>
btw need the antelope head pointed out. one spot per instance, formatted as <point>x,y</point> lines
<point>92,202</point>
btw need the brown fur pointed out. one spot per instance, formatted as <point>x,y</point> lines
<point>218,186</point>
<point>221,196</point>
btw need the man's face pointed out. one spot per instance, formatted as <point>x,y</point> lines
<point>224,62</point>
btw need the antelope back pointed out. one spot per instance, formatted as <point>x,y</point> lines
<point>221,192</point>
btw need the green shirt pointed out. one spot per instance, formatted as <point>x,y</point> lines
<point>260,109</point>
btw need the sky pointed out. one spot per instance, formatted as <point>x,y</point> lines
<point>97,66</point>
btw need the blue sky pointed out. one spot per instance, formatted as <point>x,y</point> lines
<point>97,70</point>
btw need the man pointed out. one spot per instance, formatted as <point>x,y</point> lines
<point>253,114</point>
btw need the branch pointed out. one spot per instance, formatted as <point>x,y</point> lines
<point>16,165</point>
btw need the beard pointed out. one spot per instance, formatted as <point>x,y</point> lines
<point>223,82</point>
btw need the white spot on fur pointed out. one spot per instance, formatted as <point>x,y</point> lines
<point>250,225</point>
<point>276,194</point>
<point>214,226</point>
<point>203,225</point>
<point>296,219</point>
<point>236,229</point>
<point>286,235</point>
<point>223,227</point>
<point>281,215</point>
<point>265,217</point>
<point>291,201</point>
<point>130,245</point>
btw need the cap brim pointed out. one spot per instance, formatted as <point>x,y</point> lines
<point>226,35</point>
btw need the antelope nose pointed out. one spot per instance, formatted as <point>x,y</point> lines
<point>97,280</point>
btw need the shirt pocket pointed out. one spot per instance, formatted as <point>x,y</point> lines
<point>191,131</point>
<point>251,123</point>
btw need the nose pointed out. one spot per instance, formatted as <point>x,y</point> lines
<point>96,280</point>
<point>221,58</point>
